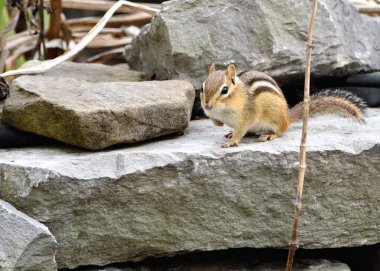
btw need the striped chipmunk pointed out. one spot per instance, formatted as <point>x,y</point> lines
<point>252,102</point>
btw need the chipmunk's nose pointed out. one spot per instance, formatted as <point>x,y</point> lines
<point>208,106</point>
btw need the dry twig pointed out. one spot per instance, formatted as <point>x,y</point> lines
<point>19,39</point>
<point>54,27</point>
<point>87,23</point>
<point>108,40</point>
<point>105,56</point>
<point>41,34</point>
<point>301,176</point>
<point>4,49</point>
<point>99,5</point>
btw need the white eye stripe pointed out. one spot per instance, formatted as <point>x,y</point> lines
<point>260,84</point>
<point>202,88</point>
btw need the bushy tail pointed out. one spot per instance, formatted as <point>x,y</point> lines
<point>337,102</point>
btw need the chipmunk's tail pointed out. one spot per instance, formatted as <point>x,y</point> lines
<point>337,102</point>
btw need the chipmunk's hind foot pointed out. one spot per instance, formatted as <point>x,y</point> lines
<point>267,137</point>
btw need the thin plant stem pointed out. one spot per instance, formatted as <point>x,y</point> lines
<point>54,27</point>
<point>41,36</point>
<point>309,46</point>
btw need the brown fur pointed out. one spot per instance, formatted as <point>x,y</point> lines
<point>250,76</point>
<point>213,84</point>
<point>327,105</point>
<point>267,89</point>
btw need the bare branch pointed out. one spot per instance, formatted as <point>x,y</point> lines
<point>137,18</point>
<point>15,13</point>
<point>104,56</point>
<point>309,46</point>
<point>54,27</point>
<point>102,5</point>
<point>41,33</point>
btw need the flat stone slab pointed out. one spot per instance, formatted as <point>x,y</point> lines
<point>25,244</point>
<point>95,115</point>
<point>186,193</point>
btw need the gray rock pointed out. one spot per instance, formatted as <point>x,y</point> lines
<point>186,36</point>
<point>95,115</point>
<point>92,73</point>
<point>186,193</point>
<point>25,244</point>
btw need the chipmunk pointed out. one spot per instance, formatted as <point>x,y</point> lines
<point>252,102</point>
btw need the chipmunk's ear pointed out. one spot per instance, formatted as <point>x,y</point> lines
<point>212,69</point>
<point>231,73</point>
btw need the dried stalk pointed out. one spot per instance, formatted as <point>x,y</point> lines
<point>4,50</point>
<point>15,14</point>
<point>99,5</point>
<point>80,33</point>
<point>19,40</point>
<point>41,34</point>
<point>309,46</point>
<point>46,65</point>
<point>26,47</point>
<point>108,40</point>
<point>54,27</point>
<point>55,19</point>
<point>105,56</point>
<point>137,18</point>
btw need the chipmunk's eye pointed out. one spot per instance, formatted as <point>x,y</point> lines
<point>224,90</point>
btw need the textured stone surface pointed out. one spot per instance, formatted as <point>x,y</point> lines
<point>93,73</point>
<point>25,244</point>
<point>267,35</point>
<point>95,115</point>
<point>186,193</point>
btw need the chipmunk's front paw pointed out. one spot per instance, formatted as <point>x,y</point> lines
<point>231,143</point>
<point>229,134</point>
